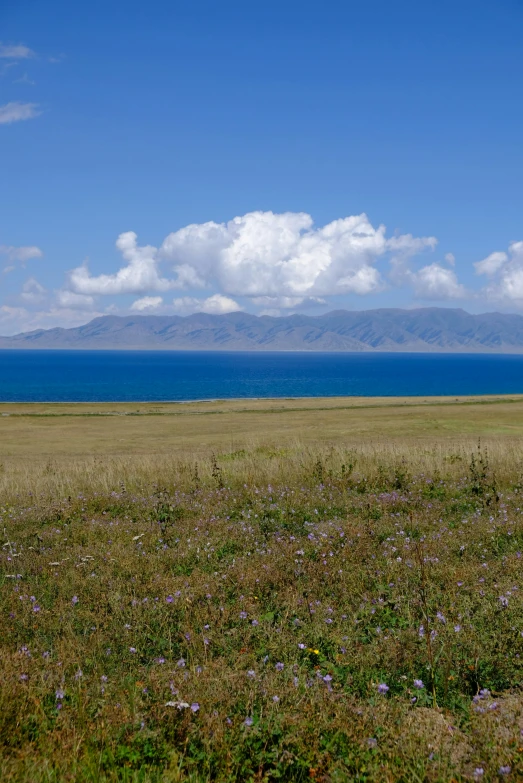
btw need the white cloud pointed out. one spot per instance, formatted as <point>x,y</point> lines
<point>450,258</point>
<point>505,271</point>
<point>275,260</point>
<point>275,255</point>
<point>217,304</point>
<point>435,282</point>
<point>491,264</point>
<point>16,111</point>
<point>18,52</point>
<point>147,303</point>
<point>140,274</point>
<point>14,320</point>
<point>286,302</point>
<point>32,291</point>
<point>22,254</point>
<point>70,300</point>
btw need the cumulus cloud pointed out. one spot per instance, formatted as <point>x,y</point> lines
<point>72,301</point>
<point>32,291</point>
<point>16,111</point>
<point>505,271</point>
<point>138,276</point>
<point>275,260</point>
<point>217,304</point>
<point>437,283</point>
<point>21,254</point>
<point>18,52</point>
<point>275,255</point>
<point>147,303</point>
<point>491,264</point>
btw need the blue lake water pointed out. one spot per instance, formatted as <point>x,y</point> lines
<point>111,376</point>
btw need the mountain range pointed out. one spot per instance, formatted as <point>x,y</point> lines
<point>424,329</point>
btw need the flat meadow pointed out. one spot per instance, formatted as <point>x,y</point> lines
<point>287,590</point>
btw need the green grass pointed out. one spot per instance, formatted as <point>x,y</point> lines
<point>231,617</point>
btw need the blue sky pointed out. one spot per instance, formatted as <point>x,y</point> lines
<point>167,157</point>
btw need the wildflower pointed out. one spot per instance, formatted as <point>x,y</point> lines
<point>74,600</point>
<point>504,770</point>
<point>132,649</point>
<point>503,601</point>
<point>295,682</point>
<point>441,618</point>
<point>78,674</point>
<point>251,674</point>
<point>371,742</point>
<point>169,599</point>
<point>301,646</point>
<point>104,678</point>
<point>327,678</point>
<point>279,666</point>
<point>195,706</point>
<point>248,721</point>
<point>479,772</point>
<point>160,660</point>
<point>181,663</point>
<point>60,694</point>
<point>254,622</point>
<point>383,688</point>
<point>24,677</point>
<point>457,628</point>
<point>418,684</point>
<point>421,631</point>
<point>275,699</point>
<point>243,615</point>
<point>46,654</point>
<point>36,608</point>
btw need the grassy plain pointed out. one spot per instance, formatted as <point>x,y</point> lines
<point>282,590</point>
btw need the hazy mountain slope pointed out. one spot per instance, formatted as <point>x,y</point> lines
<point>427,329</point>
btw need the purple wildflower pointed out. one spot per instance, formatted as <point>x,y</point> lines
<point>195,706</point>
<point>248,721</point>
<point>383,688</point>
<point>419,684</point>
<point>279,666</point>
<point>74,600</point>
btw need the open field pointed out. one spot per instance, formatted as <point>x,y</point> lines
<point>34,430</point>
<point>291,590</point>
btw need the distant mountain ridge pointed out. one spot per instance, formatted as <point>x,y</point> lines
<point>426,329</point>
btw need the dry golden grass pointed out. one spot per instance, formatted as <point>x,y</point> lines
<point>53,449</point>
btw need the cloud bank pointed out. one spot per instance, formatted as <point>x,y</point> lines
<point>271,259</point>
<point>266,263</point>
<point>504,271</point>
